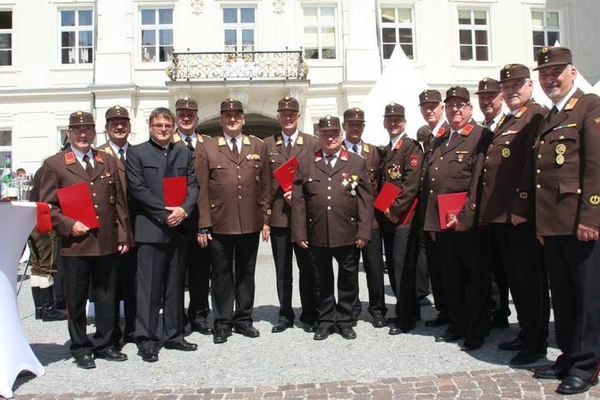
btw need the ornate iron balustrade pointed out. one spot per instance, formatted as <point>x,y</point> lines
<point>238,65</point>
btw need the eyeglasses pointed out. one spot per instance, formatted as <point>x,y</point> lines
<point>459,106</point>
<point>514,86</point>
<point>162,126</point>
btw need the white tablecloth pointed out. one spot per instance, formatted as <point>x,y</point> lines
<point>17,219</point>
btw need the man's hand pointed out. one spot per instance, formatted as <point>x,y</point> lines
<point>456,225</point>
<point>203,239</point>
<point>360,243</point>
<point>177,216</point>
<point>266,232</point>
<point>389,216</point>
<point>287,196</point>
<point>586,233</point>
<point>79,229</point>
<point>516,220</point>
<point>123,248</point>
<point>302,243</point>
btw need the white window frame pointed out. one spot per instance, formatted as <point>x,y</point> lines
<point>156,28</point>
<point>10,33</point>
<point>6,149</point>
<point>472,27</point>
<point>545,29</point>
<point>397,26</point>
<point>320,26</point>
<point>77,29</point>
<point>61,131</point>
<point>239,28</point>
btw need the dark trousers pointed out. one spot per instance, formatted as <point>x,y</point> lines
<point>520,254</point>
<point>78,272</point>
<point>466,281</point>
<point>422,286</point>
<point>197,262</point>
<point>233,259</point>
<point>401,272</point>
<point>330,312</point>
<point>373,265</point>
<point>281,247</point>
<point>436,276</point>
<point>499,305</point>
<point>575,283</point>
<point>126,272</point>
<point>159,285</point>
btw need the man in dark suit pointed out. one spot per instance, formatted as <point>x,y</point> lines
<point>88,255</point>
<point>354,125</point>
<point>197,259</point>
<point>332,209</point>
<point>507,207</point>
<point>118,128</point>
<point>281,147</point>
<point>567,189</point>
<point>454,165</point>
<point>234,205</point>
<point>401,164</point>
<point>160,232</point>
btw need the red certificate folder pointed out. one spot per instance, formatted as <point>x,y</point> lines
<point>285,174</point>
<point>449,205</point>
<point>386,196</point>
<point>76,203</point>
<point>175,190</point>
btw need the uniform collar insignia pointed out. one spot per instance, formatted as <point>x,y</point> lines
<point>221,141</point>
<point>521,112</point>
<point>344,155</point>
<point>398,144</point>
<point>466,130</point>
<point>440,132</point>
<point>200,138</point>
<point>366,148</point>
<point>299,140</point>
<point>246,140</point>
<point>98,158</point>
<point>318,156</point>
<point>176,138</point>
<point>70,158</point>
<point>279,140</point>
<point>571,103</point>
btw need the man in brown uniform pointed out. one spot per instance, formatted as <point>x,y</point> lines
<point>354,125</point>
<point>331,217</point>
<point>234,203</point>
<point>507,207</point>
<point>197,259</point>
<point>490,102</point>
<point>401,164</point>
<point>567,183</point>
<point>89,255</point>
<point>454,165</point>
<point>281,147</point>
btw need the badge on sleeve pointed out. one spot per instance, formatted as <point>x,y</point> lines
<point>414,160</point>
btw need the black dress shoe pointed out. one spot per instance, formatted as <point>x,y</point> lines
<point>498,322</point>
<point>321,334</point>
<point>149,355</point>
<point>394,330</point>
<point>85,361</point>
<point>574,384</point>
<point>310,328</point>
<point>470,345</point>
<point>221,335</point>
<point>111,355</point>
<point>551,372</point>
<point>513,345</point>
<point>182,345</point>
<point>347,332</point>
<point>202,327</point>
<point>525,356</point>
<point>378,321</point>
<point>281,326</point>
<point>247,330</point>
<point>449,337</point>
<point>439,321</point>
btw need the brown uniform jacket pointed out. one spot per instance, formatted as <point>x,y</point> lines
<point>234,195</point>
<point>331,208</point>
<point>305,144</point>
<point>401,166</point>
<point>370,154</point>
<point>108,195</point>
<point>507,182</point>
<point>455,168</point>
<point>567,166</point>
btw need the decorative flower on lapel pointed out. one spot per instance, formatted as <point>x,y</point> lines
<point>351,181</point>
<point>253,156</point>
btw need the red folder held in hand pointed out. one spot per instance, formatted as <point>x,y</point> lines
<point>286,173</point>
<point>449,205</point>
<point>386,197</point>
<point>76,203</point>
<point>175,190</point>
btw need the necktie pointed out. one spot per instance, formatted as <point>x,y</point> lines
<point>451,137</point>
<point>121,154</point>
<point>288,147</point>
<point>88,166</point>
<point>234,149</point>
<point>355,148</point>
<point>330,161</point>
<point>188,143</point>
<point>488,124</point>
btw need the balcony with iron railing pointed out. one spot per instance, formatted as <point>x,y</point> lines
<point>243,65</point>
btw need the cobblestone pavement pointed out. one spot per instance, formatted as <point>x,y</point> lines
<point>289,364</point>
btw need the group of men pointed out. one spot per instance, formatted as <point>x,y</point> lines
<point>528,208</point>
